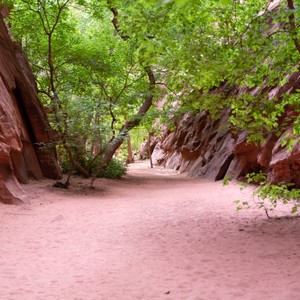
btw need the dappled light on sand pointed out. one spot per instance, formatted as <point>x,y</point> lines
<point>155,234</point>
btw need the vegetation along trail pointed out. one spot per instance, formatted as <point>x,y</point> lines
<point>153,235</point>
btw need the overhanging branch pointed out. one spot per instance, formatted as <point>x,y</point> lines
<point>292,23</point>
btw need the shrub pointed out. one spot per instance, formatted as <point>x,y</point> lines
<point>115,170</point>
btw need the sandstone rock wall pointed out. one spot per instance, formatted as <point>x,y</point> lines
<point>25,150</point>
<point>205,148</point>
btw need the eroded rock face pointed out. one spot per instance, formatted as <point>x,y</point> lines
<point>24,130</point>
<point>199,146</point>
<point>202,147</point>
<point>285,164</point>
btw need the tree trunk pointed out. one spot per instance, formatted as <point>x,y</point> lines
<point>117,141</point>
<point>130,158</point>
<point>149,150</point>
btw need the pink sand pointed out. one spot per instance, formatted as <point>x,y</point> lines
<point>153,235</point>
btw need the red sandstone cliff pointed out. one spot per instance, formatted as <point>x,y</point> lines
<point>25,150</point>
<point>205,148</point>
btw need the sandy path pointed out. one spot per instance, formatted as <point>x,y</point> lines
<point>153,235</point>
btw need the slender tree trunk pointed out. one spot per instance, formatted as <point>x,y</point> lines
<point>130,158</point>
<point>117,141</point>
<point>62,123</point>
<point>149,150</point>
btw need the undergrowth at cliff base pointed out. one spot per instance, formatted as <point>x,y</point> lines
<point>115,170</point>
<point>268,196</point>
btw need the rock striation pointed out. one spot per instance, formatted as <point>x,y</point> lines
<point>25,136</point>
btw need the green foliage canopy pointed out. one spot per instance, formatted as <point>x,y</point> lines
<point>97,67</point>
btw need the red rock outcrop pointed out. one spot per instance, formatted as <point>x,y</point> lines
<point>202,147</point>
<point>25,148</point>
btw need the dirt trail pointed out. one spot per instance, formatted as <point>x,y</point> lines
<point>153,235</point>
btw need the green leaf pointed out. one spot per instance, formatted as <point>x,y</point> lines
<point>225,2</point>
<point>181,2</point>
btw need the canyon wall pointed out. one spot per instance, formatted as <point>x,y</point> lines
<point>202,147</point>
<point>25,136</point>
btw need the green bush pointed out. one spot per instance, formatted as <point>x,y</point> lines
<point>115,170</point>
